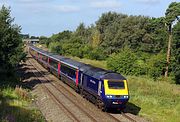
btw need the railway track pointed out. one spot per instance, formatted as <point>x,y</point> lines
<point>59,103</point>
<point>128,117</point>
<point>77,102</point>
<point>47,79</point>
<point>59,87</point>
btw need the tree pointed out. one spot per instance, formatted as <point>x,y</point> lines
<point>154,40</point>
<point>61,36</point>
<point>96,40</point>
<point>172,13</point>
<point>81,30</point>
<point>176,52</point>
<point>11,46</point>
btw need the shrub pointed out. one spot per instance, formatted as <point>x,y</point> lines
<point>93,53</point>
<point>55,47</point>
<point>177,75</point>
<point>156,65</point>
<point>130,63</point>
<point>123,62</point>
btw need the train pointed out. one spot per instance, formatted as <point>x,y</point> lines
<point>104,88</point>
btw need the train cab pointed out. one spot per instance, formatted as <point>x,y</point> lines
<point>115,94</point>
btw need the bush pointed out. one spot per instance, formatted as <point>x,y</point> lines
<point>177,75</point>
<point>123,62</point>
<point>55,47</point>
<point>93,53</point>
<point>156,65</point>
<point>130,63</point>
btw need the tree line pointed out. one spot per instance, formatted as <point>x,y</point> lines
<point>132,45</point>
<point>11,46</point>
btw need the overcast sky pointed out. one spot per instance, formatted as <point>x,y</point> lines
<point>45,17</point>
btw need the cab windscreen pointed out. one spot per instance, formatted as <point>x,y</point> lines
<point>116,84</point>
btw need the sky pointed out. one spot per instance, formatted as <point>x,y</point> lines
<point>47,17</point>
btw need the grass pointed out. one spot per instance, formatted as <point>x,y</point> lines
<point>16,104</point>
<point>96,63</point>
<point>158,100</point>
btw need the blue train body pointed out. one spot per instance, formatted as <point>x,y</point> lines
<point>106,89</point>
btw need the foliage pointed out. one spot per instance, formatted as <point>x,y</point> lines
<point>173,12</point>
<point>156,65</point>
<point>130,63</point>
<point>155,40</point>
<point>144,39</point>
<point>96,63</point>
<point>11,47</point>
<point>55,47</point>
<point>15,102</point>
<point>176,52</point>
<point>14,107</point>
<point>123,62</point>
<point>159,101</point>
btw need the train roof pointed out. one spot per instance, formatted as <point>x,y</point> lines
<point>41,51</point>
<point>100,73</point>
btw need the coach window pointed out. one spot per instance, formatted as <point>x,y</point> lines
<point>54,63</point>
<point>68,71</point>
<point>44,58</point>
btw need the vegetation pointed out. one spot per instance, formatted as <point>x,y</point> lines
<point>132,45</point>
<point>172,14</point>
<point>159,101</point>
<point>11,46</point>
<point>15,102</point>
<point>130,63</point>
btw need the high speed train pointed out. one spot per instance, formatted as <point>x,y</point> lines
<point>106,89</point>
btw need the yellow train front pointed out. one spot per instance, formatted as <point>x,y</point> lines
<point>115,93</point>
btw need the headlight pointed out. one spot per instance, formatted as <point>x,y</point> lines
<point>109,96</point>
<point>125,96</point>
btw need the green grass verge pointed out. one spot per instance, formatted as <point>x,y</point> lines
<point>96,63</point>
<point>15,108</point>
<point>16,105</point>
<point>159,100</point>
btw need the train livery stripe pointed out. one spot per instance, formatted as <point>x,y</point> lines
<point>59,67</point>
<point>77,74</point>
<point>115,91</point>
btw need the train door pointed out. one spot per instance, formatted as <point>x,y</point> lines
<point>85,80</point>
<point>81,79</point>
<point>99,88</point>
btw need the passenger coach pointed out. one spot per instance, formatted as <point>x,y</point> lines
<point>104,88</point>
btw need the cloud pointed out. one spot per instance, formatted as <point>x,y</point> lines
<point>47,6</point>
<point>106,4</point>
<point>149,2</point>
<point>65,8</point>
<point>31,1</point>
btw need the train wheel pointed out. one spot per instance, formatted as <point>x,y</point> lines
<point>82,93</point>
<point>101,105</point>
